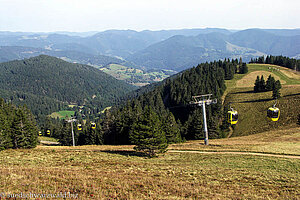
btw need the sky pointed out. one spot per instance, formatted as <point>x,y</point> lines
<point>100,15</point>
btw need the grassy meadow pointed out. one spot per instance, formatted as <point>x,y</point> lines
<point>135,76</point>
<point>109,172</point>
<point>117,172</point>
<point>62,114</point>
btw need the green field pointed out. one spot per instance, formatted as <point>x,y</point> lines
<point>62,114</point>
<point>136,76</point>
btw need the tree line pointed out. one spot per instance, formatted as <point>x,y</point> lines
<point>283,61</point>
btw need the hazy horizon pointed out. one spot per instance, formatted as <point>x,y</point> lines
<point>95,31</point>
<point>139,15</point>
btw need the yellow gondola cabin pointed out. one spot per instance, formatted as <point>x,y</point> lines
<point>93,125</point>
<point>232,116</point>
<point>79,127</point>
<point>273,114</point>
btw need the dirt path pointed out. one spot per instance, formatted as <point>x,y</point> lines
<point>236,153</point>
<point>49,142</point>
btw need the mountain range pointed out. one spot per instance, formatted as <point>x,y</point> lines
<point>166,49</point>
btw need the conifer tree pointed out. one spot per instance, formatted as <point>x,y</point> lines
<point>257,84</point>
<point>194,126</point>
<point>171,129</point>
<point>276,90</point>
<point>5,132</point>
<point>244,68</point>
<point>30,128</point>
<point>148,135</point>
<point>270,83</point>
<point>262,84</point>
<point>65,137</point>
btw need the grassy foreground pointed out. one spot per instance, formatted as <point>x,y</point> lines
<point>110,172</point>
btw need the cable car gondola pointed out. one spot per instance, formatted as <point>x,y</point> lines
<point>232,116</point>
<point>93,125</point>
<point>273,113</point>
<point>79,127</point>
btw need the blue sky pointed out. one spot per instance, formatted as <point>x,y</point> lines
<point>99,15</point>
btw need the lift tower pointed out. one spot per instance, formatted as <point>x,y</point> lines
<point>201,100</point>
<point>71,120</point>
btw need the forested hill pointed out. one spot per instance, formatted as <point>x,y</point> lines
<point>44,82</point>
<point>170,103</point>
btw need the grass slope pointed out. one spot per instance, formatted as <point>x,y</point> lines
<point>96,172</point>
<point>253,106</point>
<point>285,141</point>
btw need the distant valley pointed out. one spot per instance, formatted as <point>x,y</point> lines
<point>152,51</point>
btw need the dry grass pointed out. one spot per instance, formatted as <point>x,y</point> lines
<point>116,172</point>
<point>249,79</point>
<point>288,72</point>
<point>94,173</point>
<point>284,141</point>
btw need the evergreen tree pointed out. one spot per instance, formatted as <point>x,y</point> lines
<point>194,126</point>
<point>270,83</point>
<point>17,127</point>
<point>5,132</point>
<point>92,136</point>
<point>148,135</point>
<point>262,85</point>
<point>30,128</point>
<point>65,136</point>
<point>171,129</point>
<point>257,85</point>
<point>244,68</point>
<point>241,61</point>
<point>276,90</point>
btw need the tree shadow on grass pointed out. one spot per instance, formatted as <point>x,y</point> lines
<point>243,92</point>
<point>258,100</point>
<point>291,95</point>
<point>125,153</point>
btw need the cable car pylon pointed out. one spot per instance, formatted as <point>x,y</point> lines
<point>71,120</point>
<point>202,100</point>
